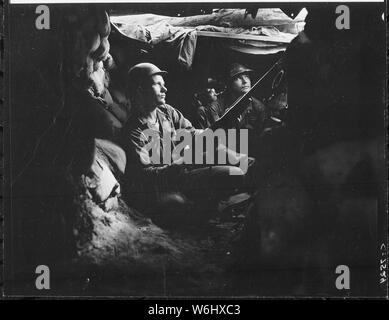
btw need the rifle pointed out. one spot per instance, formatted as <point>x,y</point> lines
<point>239,105</point>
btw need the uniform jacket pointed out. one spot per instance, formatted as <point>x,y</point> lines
<point>252,118</point>
<point>142,172</point>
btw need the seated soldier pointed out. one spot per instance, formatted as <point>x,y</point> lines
<point>254,115</point>
<point>148,180</point>
<point>205,115</point>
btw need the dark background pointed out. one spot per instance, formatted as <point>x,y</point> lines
<point>35,87</point>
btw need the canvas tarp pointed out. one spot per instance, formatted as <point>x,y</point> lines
<point>269,32</point>
<point>181,39</point>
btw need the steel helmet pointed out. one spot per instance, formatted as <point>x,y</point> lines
<point>142,71</point>
<point>237,69</point>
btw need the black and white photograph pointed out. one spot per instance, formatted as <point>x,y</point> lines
<point>228,150</point>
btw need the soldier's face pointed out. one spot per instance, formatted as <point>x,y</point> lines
<point>212,96</point>
<point>208,95</point>
<point>241,83</point>
<point>154,93</point>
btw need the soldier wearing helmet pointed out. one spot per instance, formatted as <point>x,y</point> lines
<point>254,116</point>
<point>149,180</point>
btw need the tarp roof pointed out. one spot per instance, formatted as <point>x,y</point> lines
<point>270,31</point>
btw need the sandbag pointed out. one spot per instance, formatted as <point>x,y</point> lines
<point>101,179</point>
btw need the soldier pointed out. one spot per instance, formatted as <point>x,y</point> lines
<point>202,103</point>
<point>148,180</point>
<point>254,115</point>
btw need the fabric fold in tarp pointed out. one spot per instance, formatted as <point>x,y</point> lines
<point>185,41</point>
<point>257,50</point>
<point>181,39</point>
<point>272,32</point>
<point>256,47</point>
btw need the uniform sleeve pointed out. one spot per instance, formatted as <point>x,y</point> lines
<point>139,161</point>
<point>180,122</point>
<point>217,109</point>
<point>138,153</point>
<point>139,165</point>
<point>202,118</point>
<point>254,118</point>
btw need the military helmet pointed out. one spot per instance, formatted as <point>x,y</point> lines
<point>143,71</point>
<point>237,69</point>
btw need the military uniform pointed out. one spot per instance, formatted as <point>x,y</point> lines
<point>148,181</point>
<point>253,117</point>
<point>206,116</point>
